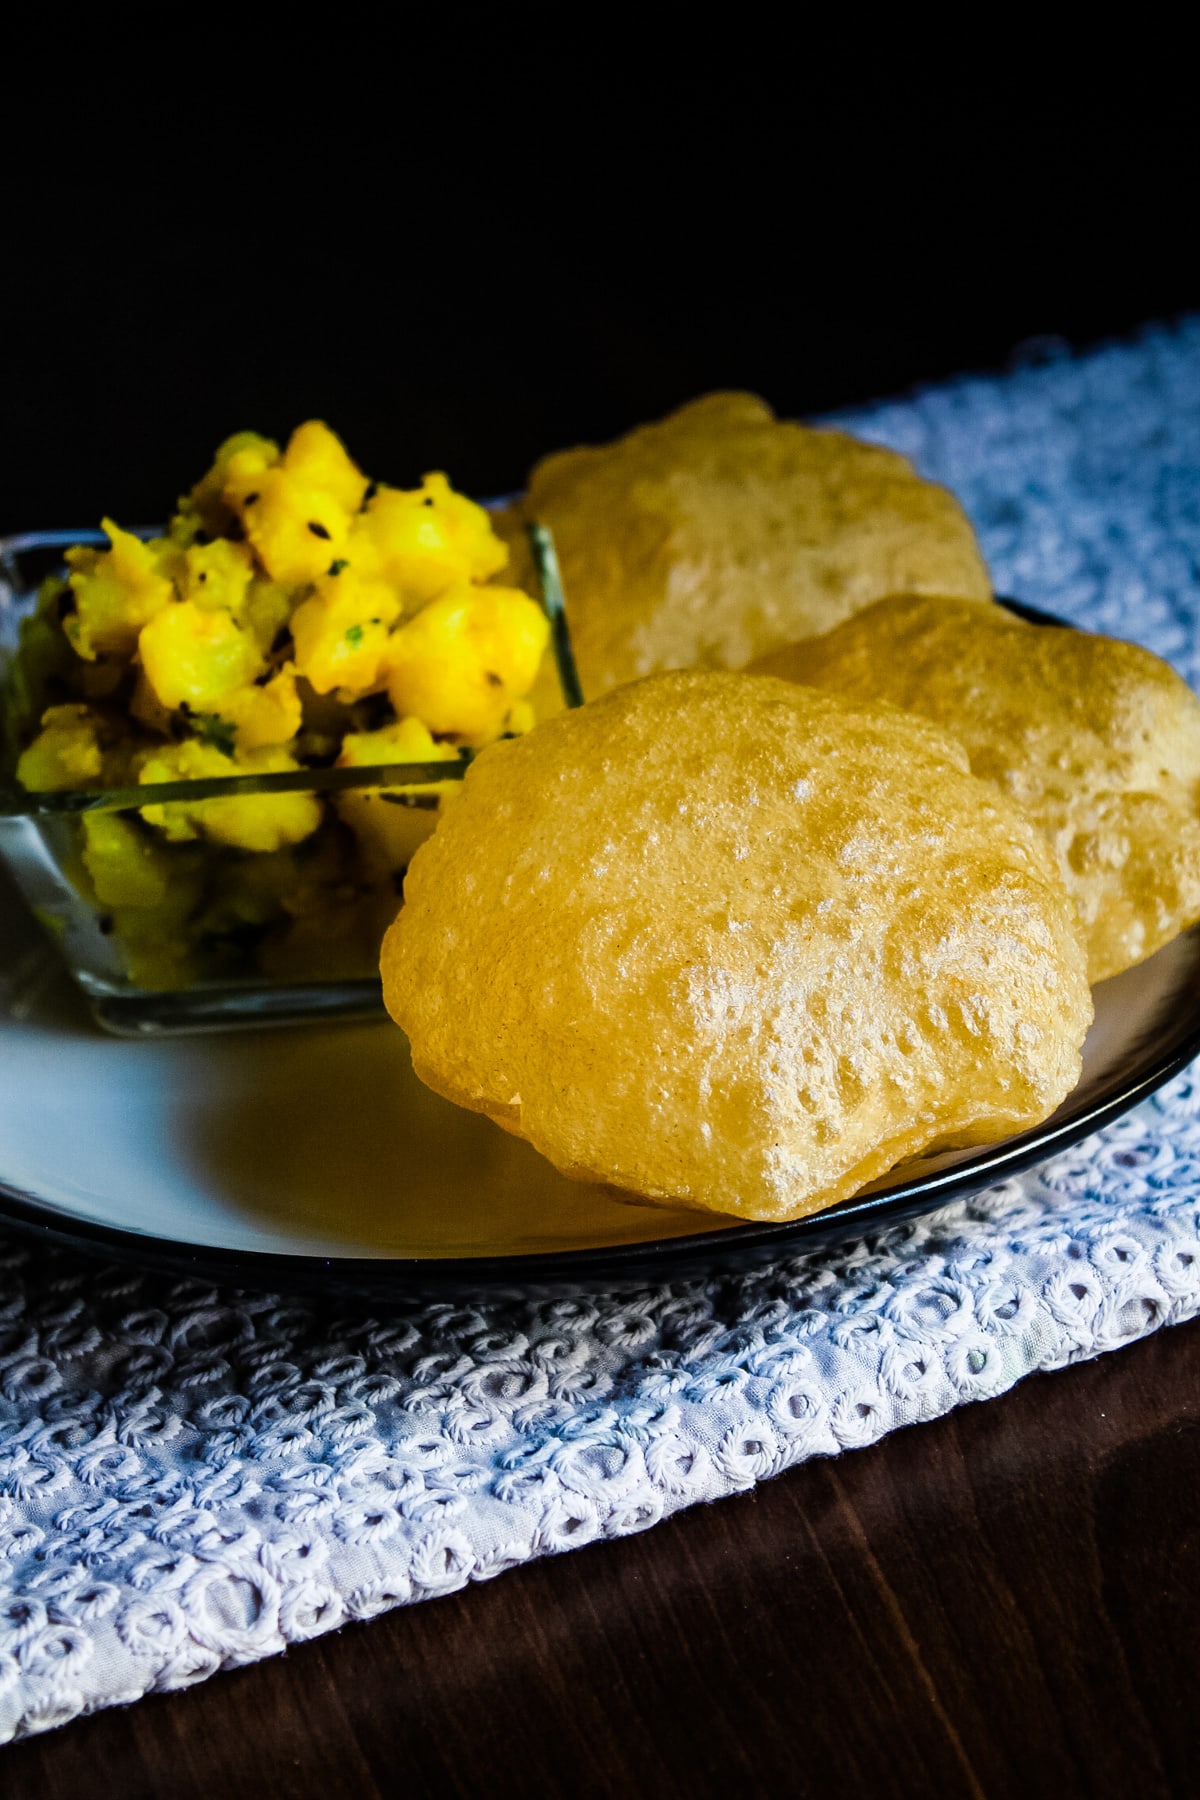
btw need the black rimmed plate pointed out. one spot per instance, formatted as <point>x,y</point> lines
<point>315,1159</point>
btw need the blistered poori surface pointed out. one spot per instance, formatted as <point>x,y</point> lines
<point>1097,739</point>
<point>721,532</point>
<point>719,940</point>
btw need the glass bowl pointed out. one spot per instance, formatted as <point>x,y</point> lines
<point>273,946</point>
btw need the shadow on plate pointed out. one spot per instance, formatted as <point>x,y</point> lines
<point>329,1135</point>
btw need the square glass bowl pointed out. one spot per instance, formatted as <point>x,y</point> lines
<point>322,964</point>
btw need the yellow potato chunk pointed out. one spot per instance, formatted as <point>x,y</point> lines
<point>1098,740</point>
<point>270,714</point>
<point>317,457</point>
<point>296,530</point>
<point>192,656</point>
<point>126,866</point>
<point>341,632</point>
<point>206,507</point>
<point>385,821</point>
<point>466,658</point>
<point>217,576</point>
<point>721,532</point>
<point>148,892</point>
<point>725,942</point>
<point>266,611</point>
<point>264,822</point>
<point>77,746</point>
<point>240,462</point>
<point>117,591</point>
<point>427,539</point>
<point>191,760</point>
<point>67,752</point>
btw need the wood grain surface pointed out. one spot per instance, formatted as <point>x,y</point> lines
<point>1003,1602</point>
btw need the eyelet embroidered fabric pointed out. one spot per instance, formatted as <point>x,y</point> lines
<point>192,1479</point>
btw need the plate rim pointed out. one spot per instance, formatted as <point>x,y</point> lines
<point>755,1240</point>
<point>726,1246</point>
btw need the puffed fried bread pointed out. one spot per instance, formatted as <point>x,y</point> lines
<point>721,532</point>
<point>1098,740</point>
<point>725,942</point>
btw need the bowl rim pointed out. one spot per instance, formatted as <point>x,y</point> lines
<point>18,803</point>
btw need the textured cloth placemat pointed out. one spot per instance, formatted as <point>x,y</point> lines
<point>193,1478</point>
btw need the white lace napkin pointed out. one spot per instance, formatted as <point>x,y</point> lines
<point>193,1478</point>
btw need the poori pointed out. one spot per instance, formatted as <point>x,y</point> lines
<point>1098,740</point>
<point>721,532</point>
<point>723,941</point>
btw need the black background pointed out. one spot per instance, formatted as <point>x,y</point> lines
<point>471,236</point>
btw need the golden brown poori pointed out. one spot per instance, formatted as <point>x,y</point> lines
<point>723,941</point>
<point>1098,740</point>
<point>721,532</point>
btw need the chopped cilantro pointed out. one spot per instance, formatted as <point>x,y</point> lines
<point>212,729</point>
<point>354,636</point>
<point>337,565</point>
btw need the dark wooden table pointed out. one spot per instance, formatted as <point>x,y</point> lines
<point>1003,1602</point>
